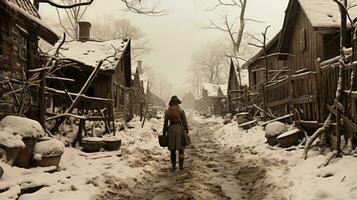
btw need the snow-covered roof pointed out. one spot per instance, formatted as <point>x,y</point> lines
<point>26,6</point>
<point>324,13</point>
<point>212,89</point>
<point>91,52</point>
<point>27,11</point>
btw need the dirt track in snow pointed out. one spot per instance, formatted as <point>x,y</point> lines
<point>209,173</point>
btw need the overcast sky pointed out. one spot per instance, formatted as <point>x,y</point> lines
<point>177,35</point>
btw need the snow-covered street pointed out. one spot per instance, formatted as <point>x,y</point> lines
<point>224,162</point>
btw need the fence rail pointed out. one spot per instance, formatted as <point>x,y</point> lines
<point>311,93</point>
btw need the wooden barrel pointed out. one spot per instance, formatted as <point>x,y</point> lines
<point>24,160</point>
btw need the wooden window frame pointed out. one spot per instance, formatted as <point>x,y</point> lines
<point>23,46</point>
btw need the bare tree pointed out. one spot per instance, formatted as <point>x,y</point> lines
<point>228,26</point>
<point>72,17</point>
<point>70,12</point>
<point>210,63</point>
<point>122,29</point>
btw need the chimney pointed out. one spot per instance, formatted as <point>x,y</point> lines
<point>84,31</point>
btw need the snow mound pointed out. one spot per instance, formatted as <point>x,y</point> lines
<point>9,140</point>
<point>49,147</point>
<point>26,128</point>
<point>274,129</point>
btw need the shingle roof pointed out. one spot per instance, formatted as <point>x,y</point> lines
<point>91,52</point>
<point>26,6</point>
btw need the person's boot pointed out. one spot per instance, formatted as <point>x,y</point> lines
<point>181,159</point>
<point>173,161</point>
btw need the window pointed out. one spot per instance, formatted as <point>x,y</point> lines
<point>303,41</point>
<point>23,46</point>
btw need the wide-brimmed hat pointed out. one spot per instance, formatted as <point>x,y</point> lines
<point>174,100</point>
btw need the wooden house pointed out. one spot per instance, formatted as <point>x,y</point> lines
<point>257,65</point>
<point>20,29</point>
<point>211,100</point>
<point>233,89</point>
<point>110,89</point>
<point>310,31</point>
<point>219,102</point>
<point>138,102</point>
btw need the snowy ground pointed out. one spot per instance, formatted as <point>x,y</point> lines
<point>290,175</point>
<point>82,175</point>
<point>225,162</point>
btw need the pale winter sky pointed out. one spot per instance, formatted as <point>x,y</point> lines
<point>176,36</point>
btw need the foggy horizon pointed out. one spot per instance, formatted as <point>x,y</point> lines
<point>175,37</point>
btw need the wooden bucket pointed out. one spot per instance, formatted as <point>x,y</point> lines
<point>91,146</point>
<point>10,154</point>
<point>112,145</point>
<point>24,160</point>
<point>48,161</point>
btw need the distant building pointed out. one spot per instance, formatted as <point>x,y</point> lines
<point>211,100</point>
<point>188,101</point>
<point>138,101</point>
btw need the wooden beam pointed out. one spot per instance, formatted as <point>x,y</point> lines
<point>65,115</point>
<point>98,99</point>
<point>279,102</point>
<point>282,118</point>
<point>85,87</point>
<point>60,78</point>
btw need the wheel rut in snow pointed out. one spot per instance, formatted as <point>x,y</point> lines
<point>209,173</point>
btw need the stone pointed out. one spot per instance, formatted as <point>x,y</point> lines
<point>273,130</point>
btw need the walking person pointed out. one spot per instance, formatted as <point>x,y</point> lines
<point>175,126</point>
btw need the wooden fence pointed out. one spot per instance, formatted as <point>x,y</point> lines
<point>312,93</point>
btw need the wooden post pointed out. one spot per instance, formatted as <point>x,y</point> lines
<point>291,94</point>
<point>42,100</point>
<point>265,107</point>
<point>320,103</point>
<point>340,89</point>
<point>141,110</point>
<point>146,111</point>
<point>81,127</point>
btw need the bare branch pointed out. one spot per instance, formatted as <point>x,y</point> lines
<point>135,7</point>
<point>52,3</point>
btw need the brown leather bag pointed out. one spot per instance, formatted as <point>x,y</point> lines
<point>163,140</point>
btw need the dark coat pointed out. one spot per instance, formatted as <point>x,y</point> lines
<point>175,125</point>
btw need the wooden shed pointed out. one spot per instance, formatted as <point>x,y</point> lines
<point>20,29</point>
<point>109,90</point>
<point>310,31</point>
